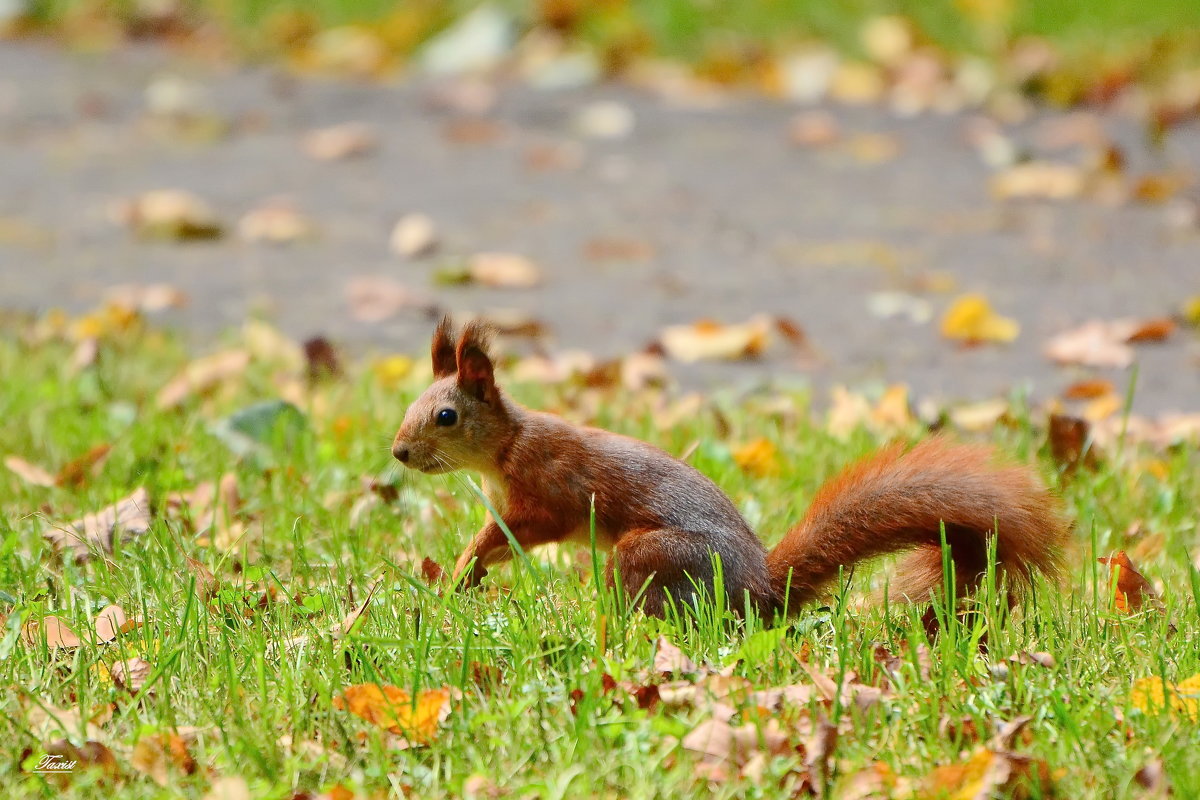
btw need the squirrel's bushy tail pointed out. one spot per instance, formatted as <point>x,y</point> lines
<point>898,499</point>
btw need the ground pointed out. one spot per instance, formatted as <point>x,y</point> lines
<point>739,221</point>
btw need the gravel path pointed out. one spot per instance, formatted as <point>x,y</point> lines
<point>740,220</point>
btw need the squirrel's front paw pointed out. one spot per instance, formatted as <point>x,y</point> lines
<point>471,576</point>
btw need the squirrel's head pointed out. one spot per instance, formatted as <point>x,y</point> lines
<point>459,421</point>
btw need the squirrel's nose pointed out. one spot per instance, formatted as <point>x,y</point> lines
<point>400,452</point>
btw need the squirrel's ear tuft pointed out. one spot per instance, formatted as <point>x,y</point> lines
<point>475,372</point>
<point>444,362</point>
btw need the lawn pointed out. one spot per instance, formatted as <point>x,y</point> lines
<point>255,617</point>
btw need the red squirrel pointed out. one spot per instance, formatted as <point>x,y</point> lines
<point>663,520</point>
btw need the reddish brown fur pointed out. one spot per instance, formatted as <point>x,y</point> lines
<point>664,520</point>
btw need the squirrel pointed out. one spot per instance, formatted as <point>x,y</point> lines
<point>663,520</point>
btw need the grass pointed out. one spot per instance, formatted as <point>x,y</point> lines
<point>1097,40</point>
<point>539,632</point>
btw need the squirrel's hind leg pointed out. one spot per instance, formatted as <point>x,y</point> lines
<point>678,564</point>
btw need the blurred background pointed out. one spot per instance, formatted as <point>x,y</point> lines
<point>956,199</point>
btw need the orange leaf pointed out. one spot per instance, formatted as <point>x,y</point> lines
<point>1132,589</point>
<point>394,709</point>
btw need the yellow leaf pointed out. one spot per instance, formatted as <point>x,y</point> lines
<point>394,709</point>
<point>1191,310</point>
<point>759,457</point>
<point>1153,696</point>
<point>390,371</point>
<point>971,318</point>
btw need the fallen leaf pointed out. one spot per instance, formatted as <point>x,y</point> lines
<point>857,83</point>
<point>669,659</point>
<point>981,416</point>
<point>618,249</point>
<point>413,236</point>
<point>1089,389</point>
<point>69,760</point>
<point>56,632</point>
<point>156,755</point>
<point>1158,329</point>
<point>394,709</point>
<point>30,473</point>
<point>971,319</point>
<point>171,214</point>
<point>707,340</point>
<point>111,622</point>
<point>1041,180</point>
<point>1070,442</point>
<point>76,472</point>
<point>377,298</point>
<point>275,222</point>
<point>759,458</point>
<point>145,298</point>
<point>1156,696</point>
<point>131,674</point>
<point>339,142</point>
<point>99,531</point>
<point>605,119</point>
<point>322,360</point>
<point>1131,590</point>
<point>431,571</point>
<point>202,376</point>
<point>504,270</point>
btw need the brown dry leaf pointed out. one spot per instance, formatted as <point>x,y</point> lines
<point>707,340</point>
<point>1042,180</point>
<point>275,222</point>
<point>76,472</point>
<point>322,360</point>
<point>971,319</point>
<point>473,131</point>
<point>413,236</point>
<point>1089,389</point>
<point>375,298</point>
<point>111,622</point>
<point>209,505</point>
<point>1156,696</point>
<point>91,755</point>
<point>1070,442</point>
<point>614,248</point>
<point>669,659</point>
<point>131,674</point>
<point>338,142</point>
<point>504,271</point>
<point>1131,589</point>
<point>171,214</point>
<point>432,572</point>
<point>57,633</point>
<point>155,756</point>
<point>202,376</point>
<point>1156,329</point>
<point>98,531</point>
<point>759,458</point>
<point>30,473</point>
<point>394,709</point>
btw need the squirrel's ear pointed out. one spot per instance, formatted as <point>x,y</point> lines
<point>444,362</point>
<point>475,373</point>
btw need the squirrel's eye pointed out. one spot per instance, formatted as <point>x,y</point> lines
<point>447,417</point>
